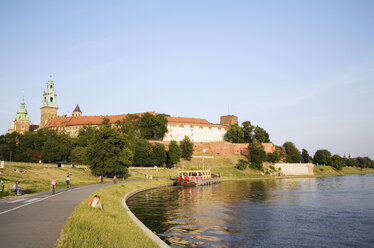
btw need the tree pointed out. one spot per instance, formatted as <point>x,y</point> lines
<point>292,153</point>
<point>247,131</point>
<point>257,155</point>
<point>273,157</point>
<point>56,148</point>
<point>174,153</point>
<point>78,155</point>
<point>235,134</point>
<point>261,135</point>
<point>143,155</point>
<point>337,162</point>
<point>305,156</point>
<point>108,153</point>
<point>153,126</point>
<point>364,162</point>
<point>159,154</point>
<point>322,157</point>
<point>186,146</point>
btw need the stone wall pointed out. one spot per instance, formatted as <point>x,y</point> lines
<point>296,169</point>
<point>223,148</point>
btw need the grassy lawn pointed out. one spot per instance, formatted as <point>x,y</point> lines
<point>320,170</point>
<point>111,227</point>
<point>37,178</point>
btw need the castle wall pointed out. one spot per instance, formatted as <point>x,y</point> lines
<point>196,132</point>
<point>296,169</point>
<point>223,148</point>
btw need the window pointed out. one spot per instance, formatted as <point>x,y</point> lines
<point>181,125</point>
<point>51,99</point>
<point>50,87</point>
<point>201,127</point>
<point>23,127</point>
<point>191,126</point>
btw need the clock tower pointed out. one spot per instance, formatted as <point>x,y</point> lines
<point>49,104</point>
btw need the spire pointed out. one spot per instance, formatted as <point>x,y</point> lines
<point>22,112</point>
<point>49,95</point>
<point>77,109</point>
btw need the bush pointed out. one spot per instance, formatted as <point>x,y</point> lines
<point>241,165</point>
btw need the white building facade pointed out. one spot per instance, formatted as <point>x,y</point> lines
<point>198,130</point>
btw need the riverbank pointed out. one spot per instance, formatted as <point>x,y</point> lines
<point>111,227</point>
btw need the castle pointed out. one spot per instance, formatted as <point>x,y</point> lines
<point>198,130</point>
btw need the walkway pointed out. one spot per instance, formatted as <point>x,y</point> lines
<point>37,220</point>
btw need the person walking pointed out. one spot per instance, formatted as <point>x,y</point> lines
<point>53,185</point>
<point>68,181</point>
<point>2,186</point>
<point>114,179</point>
<point>101,179</point>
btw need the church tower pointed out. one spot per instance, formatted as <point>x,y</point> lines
<point>21,123</point>
<point>77,111</point>
<point>49,105</point>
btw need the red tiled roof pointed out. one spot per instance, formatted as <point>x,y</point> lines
<point>85,120</point>
<point>187,120</point>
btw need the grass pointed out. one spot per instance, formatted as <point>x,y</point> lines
<point>111,227</point>
<point>320,170</point>
<point>37,178</point>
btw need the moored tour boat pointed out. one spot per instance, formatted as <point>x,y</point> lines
<point>196,178</point>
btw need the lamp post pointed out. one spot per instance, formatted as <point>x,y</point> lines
<point>204,151</point>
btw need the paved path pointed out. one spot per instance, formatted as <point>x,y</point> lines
<point>37,220</point>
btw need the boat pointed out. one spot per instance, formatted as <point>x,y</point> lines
<point>196,178</point>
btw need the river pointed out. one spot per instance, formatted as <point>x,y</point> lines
<point>297,212</point>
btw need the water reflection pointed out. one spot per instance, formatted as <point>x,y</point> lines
<point>287,212</point>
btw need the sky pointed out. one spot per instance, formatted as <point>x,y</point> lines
<point>302,70</point>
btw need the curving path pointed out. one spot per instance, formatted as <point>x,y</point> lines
<point>37,220</point>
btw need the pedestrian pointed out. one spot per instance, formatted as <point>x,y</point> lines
<point>101,179</point>
<point>114,179</point>
<point>53,185</point>
<point>68,181</point>
<point>17,188</point>
<point>2,186</point>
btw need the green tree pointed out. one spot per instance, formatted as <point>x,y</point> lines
<point>337,162</point>
<point>273,157</point>
<point>153,126</point>
<point>306,157</point>
<point>78,155</point>
<point>174,153</point>
<point>143,155</point>
<point>351,162</point>
<point>292,153</point>
<point>159,154</point>
<point>364,162</point>
<point>322,157</point>
<point>56,148</point>
<point>257,155</point>
<point>247,131</point>
<point>186,146</point>
<point>261,135</point>
<point>84,137</point>
<point>108,153</point>
<point>235,134</point>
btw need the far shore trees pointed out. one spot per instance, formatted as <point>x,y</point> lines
<point>186,146</point>
<point>322,157</point>
<point>337,162</point>
<point>306,157</point>
<point>292,153</point>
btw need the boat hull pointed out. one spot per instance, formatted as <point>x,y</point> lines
<point>197,182</point>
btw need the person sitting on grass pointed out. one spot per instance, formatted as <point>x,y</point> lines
<point>17,188</point>
<point>95,202</point>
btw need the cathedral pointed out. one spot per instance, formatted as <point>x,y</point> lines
<point>198,130</point>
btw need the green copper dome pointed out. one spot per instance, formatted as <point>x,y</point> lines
<point>22,112</point>
<point>49,95</point>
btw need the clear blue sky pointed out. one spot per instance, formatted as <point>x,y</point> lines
<point>303,70</point>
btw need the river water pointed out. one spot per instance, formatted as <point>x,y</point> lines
<point>304,212</point>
